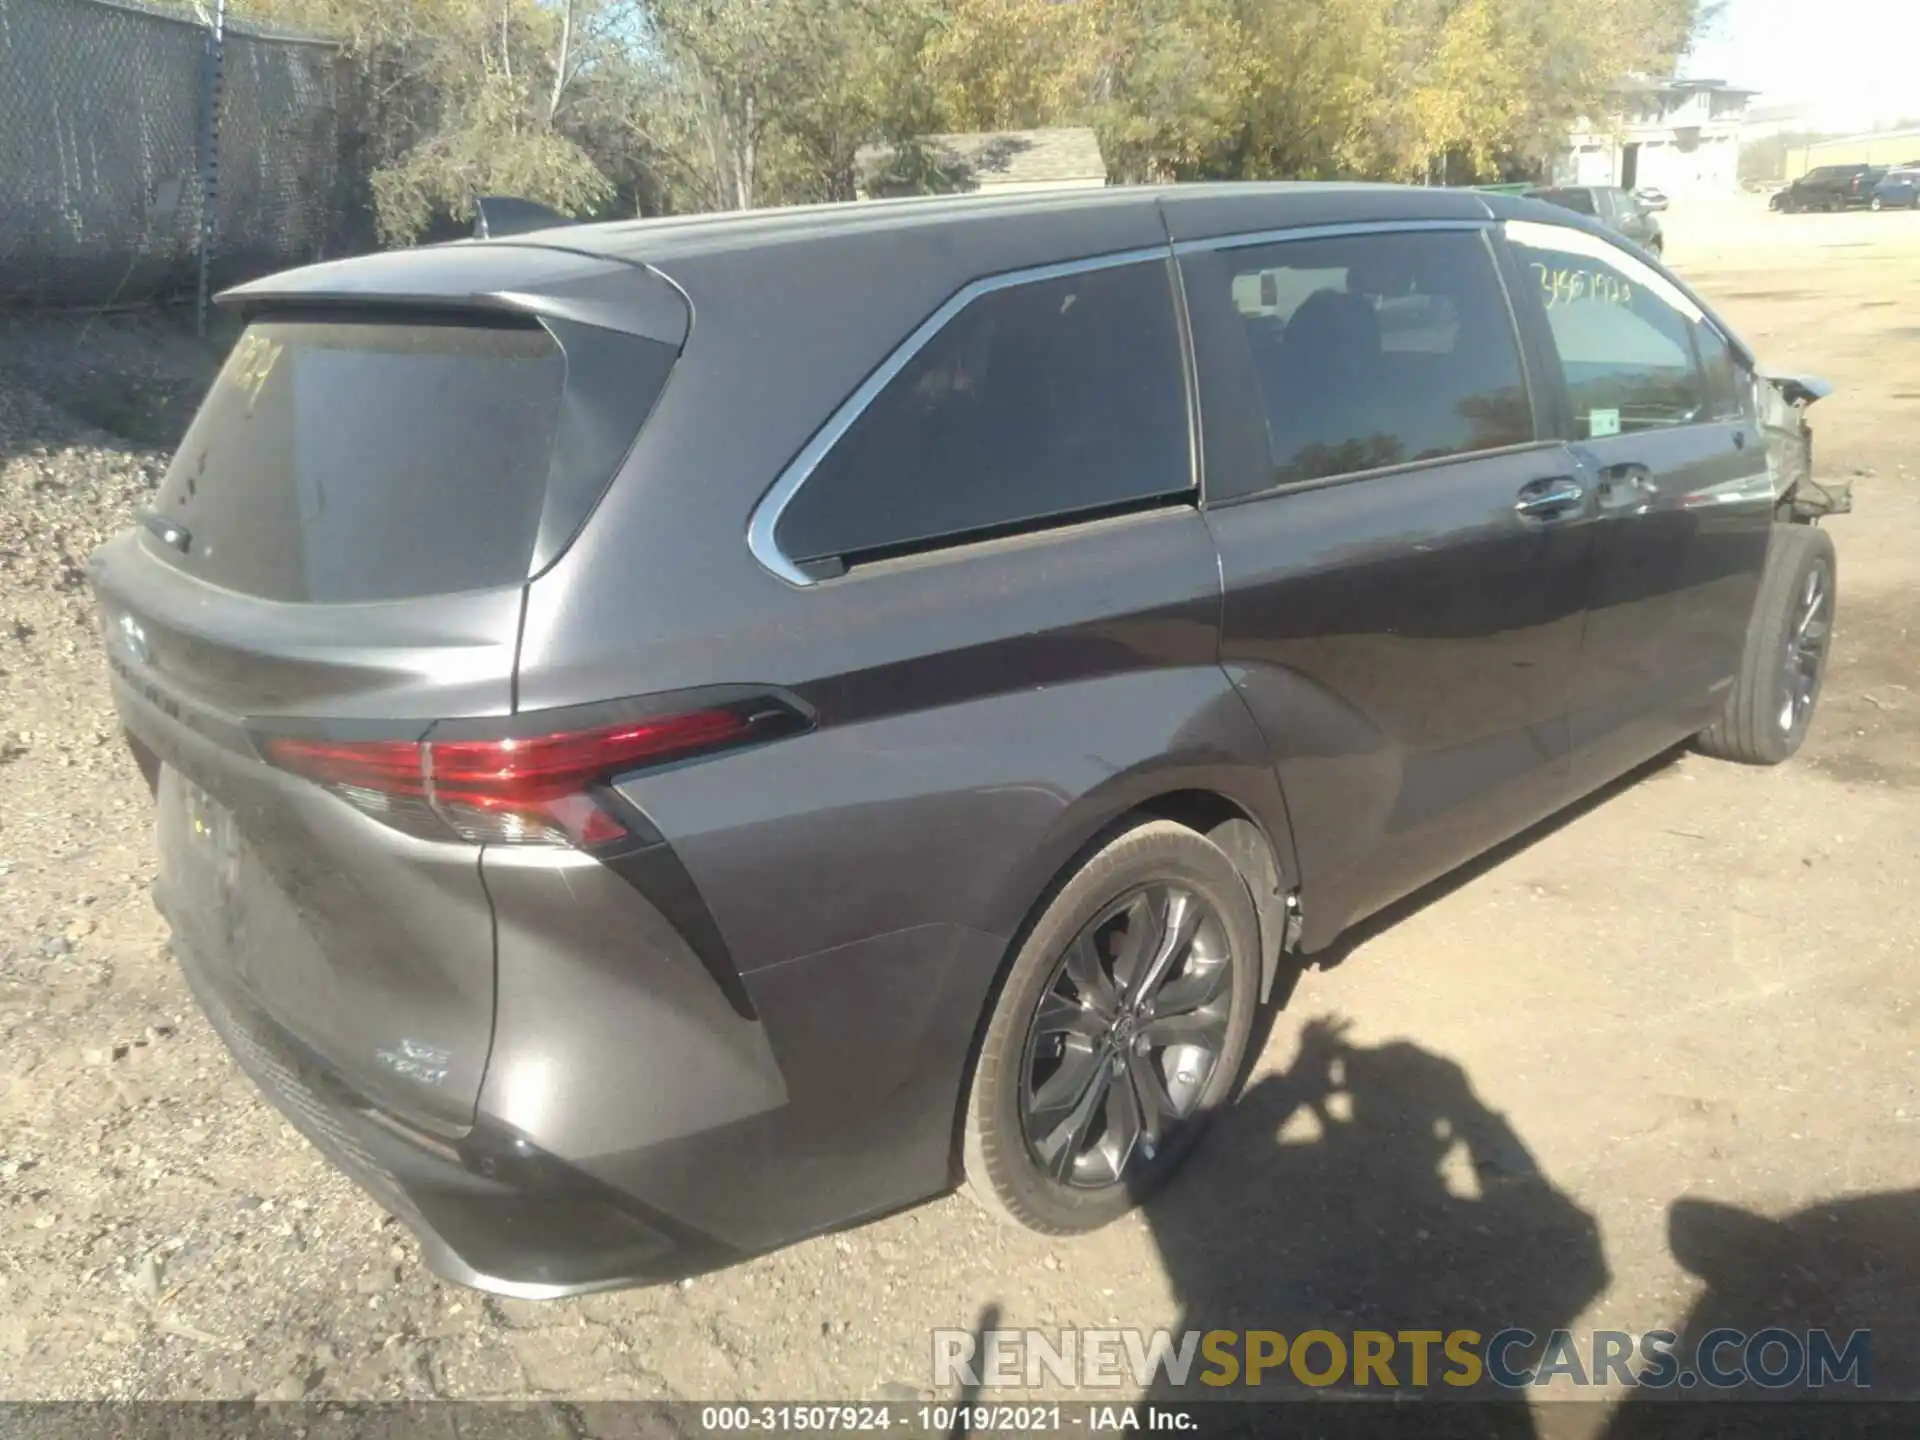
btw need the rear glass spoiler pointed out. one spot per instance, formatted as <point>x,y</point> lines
<point>547,282</point>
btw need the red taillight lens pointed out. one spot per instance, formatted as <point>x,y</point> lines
<point>391,767</point>
<point>516,790</point>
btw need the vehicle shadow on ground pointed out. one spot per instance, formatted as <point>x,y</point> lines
<point>1840,1266</point>
<point>1370,1188</point>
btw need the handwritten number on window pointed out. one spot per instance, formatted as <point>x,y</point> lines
<point>1567,285</point>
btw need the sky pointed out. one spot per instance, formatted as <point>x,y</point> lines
<point>1856,63</point>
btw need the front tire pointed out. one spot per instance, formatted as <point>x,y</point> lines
<point>1772,701</point>
<point>1121,1027</point>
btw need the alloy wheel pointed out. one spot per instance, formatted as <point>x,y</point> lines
<point>1806,650</point>
<point>1126,1036</point>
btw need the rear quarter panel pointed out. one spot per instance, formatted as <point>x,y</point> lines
<point>983,714</point>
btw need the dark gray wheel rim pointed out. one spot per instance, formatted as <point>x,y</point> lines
<point>1127,1035</point>
<point>1806,650</point>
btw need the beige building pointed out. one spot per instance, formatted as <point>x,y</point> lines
<point>1682,137</point>
<point>1002,162</point>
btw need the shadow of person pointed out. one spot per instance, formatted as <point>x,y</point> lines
<point>1841,1267</point>
<point>1369,1188</point>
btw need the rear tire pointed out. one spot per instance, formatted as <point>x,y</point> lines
<point>1038,1151</point>
<point>1876,204</point>
<point>1772,701</point>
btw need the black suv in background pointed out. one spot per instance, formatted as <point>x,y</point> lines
<point>1617,209</point>
<point>1830,187</point>
<point>672,736</point>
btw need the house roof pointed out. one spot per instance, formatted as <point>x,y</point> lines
<point>1027,157</point>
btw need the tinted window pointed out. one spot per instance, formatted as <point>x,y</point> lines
<point>1723,376</point>
<point>339,460</point>
<point>1384,349</point>
<point>1035,402</point>
<point>1622,331</point>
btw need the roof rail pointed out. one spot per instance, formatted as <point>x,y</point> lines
<point>498,215</point>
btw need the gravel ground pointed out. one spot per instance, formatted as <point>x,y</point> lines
<point>1698,989</point>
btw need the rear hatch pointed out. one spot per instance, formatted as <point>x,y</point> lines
<point>334,570</point>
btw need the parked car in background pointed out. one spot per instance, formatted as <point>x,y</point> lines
<point>1830,187</point>
<point>628,828</point>
<point>1899,189</point>
<point>1654,199</point>
<point>1613,207</point>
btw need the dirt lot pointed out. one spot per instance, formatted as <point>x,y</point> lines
<point>1698,989</point>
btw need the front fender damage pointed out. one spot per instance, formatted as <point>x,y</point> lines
<point>1783,402</point>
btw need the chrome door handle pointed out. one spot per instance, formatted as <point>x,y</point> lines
<point>1549,499</point>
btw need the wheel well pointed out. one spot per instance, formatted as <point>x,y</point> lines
<point>1201,810</point>
<point>1252,852</point>
<point>1220,820</point>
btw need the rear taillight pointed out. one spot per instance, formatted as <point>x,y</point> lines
<point>544,788</point>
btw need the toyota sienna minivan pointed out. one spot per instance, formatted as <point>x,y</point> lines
<point>672,736</point>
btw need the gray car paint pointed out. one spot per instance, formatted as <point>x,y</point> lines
<point>982,715</point>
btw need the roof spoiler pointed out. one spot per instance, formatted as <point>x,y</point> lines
<point>498,215</point>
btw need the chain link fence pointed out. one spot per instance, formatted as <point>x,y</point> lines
<point>120,121</point>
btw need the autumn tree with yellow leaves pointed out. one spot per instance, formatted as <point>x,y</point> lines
<point>623,106</point>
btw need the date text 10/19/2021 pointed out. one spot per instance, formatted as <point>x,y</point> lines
<point>945,1419</point>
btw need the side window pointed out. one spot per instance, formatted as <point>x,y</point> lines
<point>1724,377</point>
<point>1622,330</point>
<point>1036,402</point>
<point>1376,350</point>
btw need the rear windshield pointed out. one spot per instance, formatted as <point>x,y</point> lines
<point>350,460</point>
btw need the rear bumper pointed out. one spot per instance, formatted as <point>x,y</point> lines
<point>491,1210</point>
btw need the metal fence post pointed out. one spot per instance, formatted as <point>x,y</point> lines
<point>210,151</point>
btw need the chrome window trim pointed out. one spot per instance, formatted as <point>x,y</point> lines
<point>766,515</point>
<point>1242,239</point>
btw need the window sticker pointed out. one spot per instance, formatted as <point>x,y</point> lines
<point>1601,423</point>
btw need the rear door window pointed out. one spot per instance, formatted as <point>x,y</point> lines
<point>1037,402</point>
<point>1623,332</point>
<point>1389,349</point>
<point>344,460</point>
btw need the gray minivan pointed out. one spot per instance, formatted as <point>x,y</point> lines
<point>671,736</point>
